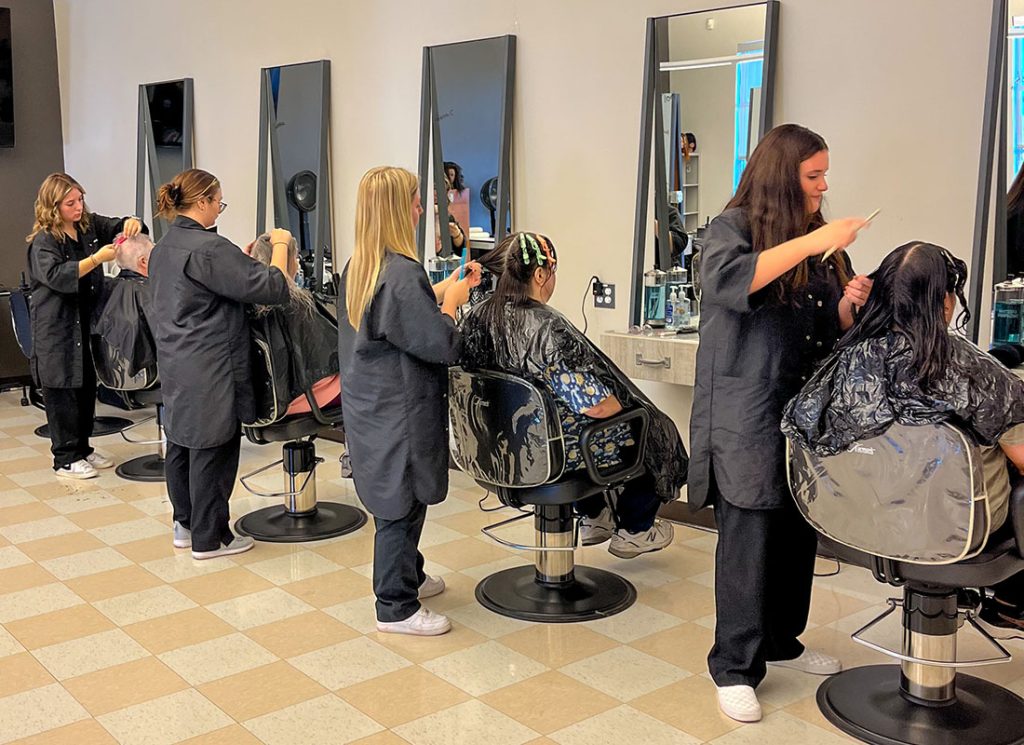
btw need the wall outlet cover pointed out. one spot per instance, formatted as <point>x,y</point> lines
<point>604,295</point>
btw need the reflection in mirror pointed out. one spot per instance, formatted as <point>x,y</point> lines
<point>708,87</point>
<point>164,143</point>
<point>1014,144</point>
<point>465,143</point>
<point>294,136</point>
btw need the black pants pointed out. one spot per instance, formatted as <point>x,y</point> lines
<point>398,564</point>
<point>70,413</point>
<point>764,568</point>
<point>635,507</point>
<point>199,484</point>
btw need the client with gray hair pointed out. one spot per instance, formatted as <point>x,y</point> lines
<point>121,318</point>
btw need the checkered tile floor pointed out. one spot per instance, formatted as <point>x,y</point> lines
<point>109,635</point>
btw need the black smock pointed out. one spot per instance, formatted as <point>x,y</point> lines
<point>62,302</point>
<point>394,390</point>
<point>199,282</point>
<point>755,353</point>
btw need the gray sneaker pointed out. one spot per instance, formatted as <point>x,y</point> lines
<point>182,536</point>
<point>628,545</point>
<point>595,530</point>
<point>240,545</point>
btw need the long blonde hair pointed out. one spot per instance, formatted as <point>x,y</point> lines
<point>383,223</point>
<point>52,192</point>
<point>263,252</point>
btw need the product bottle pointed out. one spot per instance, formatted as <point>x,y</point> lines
<point>670,309</point>
<point>682,311</point>
<point>654,298</point>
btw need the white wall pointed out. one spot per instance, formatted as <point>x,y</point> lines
<point>896,88</point>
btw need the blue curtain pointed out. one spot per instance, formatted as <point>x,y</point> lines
<point>748,77</point>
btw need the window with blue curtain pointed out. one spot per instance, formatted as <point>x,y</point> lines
<point>748,77</point>
<point>1017,101</point>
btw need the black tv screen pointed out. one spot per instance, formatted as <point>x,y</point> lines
<point>6,81</point>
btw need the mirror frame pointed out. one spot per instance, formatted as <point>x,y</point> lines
<point>656,83</point>
<point>322,239</point>
<point>430,147</point>
<point>145,149</point>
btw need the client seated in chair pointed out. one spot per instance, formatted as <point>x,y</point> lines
<point>516,331</point>
<point>899,363</point>
<point>122,310</point>
<point>309,332</point>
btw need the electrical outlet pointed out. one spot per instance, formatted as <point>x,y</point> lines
<point>604,295</point>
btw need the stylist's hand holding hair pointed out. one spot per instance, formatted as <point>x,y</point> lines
<point>279,240</point>
<point>131,228</point>
<point>772,263</point>
<point>457,293</point>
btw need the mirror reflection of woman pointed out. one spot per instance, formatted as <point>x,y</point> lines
<point>67,248</point>
<point>1015,225</point>
<point>771,310</point>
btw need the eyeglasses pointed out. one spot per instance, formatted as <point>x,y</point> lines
<point>223,206</point>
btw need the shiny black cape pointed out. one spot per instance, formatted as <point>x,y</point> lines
<point>542,337</point>
<point>861,390</point>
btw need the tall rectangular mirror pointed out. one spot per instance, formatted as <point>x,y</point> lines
<point>294,166</point>
<point>707,100</point>
<point>165,145</point>
<point>1012,144</point>
<point>465,144</point>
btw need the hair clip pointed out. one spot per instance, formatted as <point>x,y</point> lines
<point>536,248</point>
<point>522,245</point>
<point>546,245</point>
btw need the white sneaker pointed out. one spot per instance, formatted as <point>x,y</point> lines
<point>423,622</point>
<point>739,703</point>
<point>595,530</point>
<point>240,545</point>
<point>431,586</point>
<point>628,545</point>
<point>182,536</point>
<point>812,662</point>
<point>99,460</point>
<point>80,469</point>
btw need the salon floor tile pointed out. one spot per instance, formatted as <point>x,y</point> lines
<point>473,721</point>
<point>113,582</point>
<point>622,724</point>
<point>60,544</point>
<point>182,566</point>
<point>359,614</point>
<point>293,567</point>
<point>88,562</point>
<point>624,673</point>
<point>684,599</point>
<point>236,734</point>
<point>127,532</point>
<point>422,693</point>
<point>259,608</point>
<point>634,623</point>
<point>87,732</point>
<point>22,672</point>
<point>37,710</point>
<point>58,626</point>
<point>464,553</point>
<point>780,727</point>
<point>48,527</point>
<point>89,653</point>
<point>423,649</point>
<point>24,577</point>
<point>484,668</point>
<point>352,552</point>
<point>144,605</point>
<point>79,502</point>
<point>300,634</point>
<point>691,705</point>
<point>549,702</point>
<point>104,516</point>
<point>323,719</point>
<point>348,663</point>
<point>177,630</point>
<point>36,601</point>
<point>24,513</point>
<point>166,720</point>
<point>485,622</point>
<point>217,658</point>
<point>9,645</point>
<point>556,645</point>
<point>124,685</point>
<point>246,695</point>
<point>330,589</point>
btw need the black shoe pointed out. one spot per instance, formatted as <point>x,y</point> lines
<point>1002,615</point>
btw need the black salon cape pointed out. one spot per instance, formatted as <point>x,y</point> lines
<point>199,282</point>
<point>539,338</point>
<point>394,382</point>
<point>62,302</point>
<point>862,390</point>
<point>304,349</point>
<point>755,353</point>
<point>123,320</point>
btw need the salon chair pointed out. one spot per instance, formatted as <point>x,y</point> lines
<point>508,437</point>
<point>910,505</point>
<point>22,323</point>
<point>300,517</point>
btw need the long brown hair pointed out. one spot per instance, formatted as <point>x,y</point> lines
<point>184,190</point>
<point>383,223</point>
<point>263,252</point>
<point>773,198</point>
<point>52,192</point>
<point>514,260</point>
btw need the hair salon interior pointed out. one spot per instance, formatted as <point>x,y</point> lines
<point>546,371</point>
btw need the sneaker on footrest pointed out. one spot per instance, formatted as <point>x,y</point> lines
<point>595,530</point>
<point>811,661</point>
<point>628,545</point>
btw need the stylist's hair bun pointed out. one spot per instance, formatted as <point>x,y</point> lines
<point>184,191</point>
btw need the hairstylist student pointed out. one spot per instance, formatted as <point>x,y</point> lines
<point>199,283</point>
<point>66,280</point>
<point>771,310</point>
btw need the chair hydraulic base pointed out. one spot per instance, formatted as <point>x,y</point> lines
<point>276,525</point>
<point>867,703</point>
<point>301,518</point>
<point>147,468</point>
<point>102,426</point>
<point>590,595</point>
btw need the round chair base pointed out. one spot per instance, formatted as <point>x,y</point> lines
<point>274,525</point>
<point>516,593</point>
<point>102,426</point>
<point>143,468</point>
<point>866,703</point>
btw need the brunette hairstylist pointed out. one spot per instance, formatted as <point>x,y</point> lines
<point>199,282</point>
<point>65,276</point>
<point>771,310</point>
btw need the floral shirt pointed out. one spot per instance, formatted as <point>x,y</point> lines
<point>575,393</point>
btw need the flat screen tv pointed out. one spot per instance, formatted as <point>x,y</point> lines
<point>6,81</point>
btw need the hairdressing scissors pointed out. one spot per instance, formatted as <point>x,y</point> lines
<point>867,221</point>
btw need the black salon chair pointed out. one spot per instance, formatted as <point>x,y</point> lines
<point>910,505</point>
<point>508,437</point>
<point>22,323</point>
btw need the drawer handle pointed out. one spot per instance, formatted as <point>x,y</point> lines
<point>665,362</point>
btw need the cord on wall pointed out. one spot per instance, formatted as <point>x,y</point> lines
<point>583,307</point>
